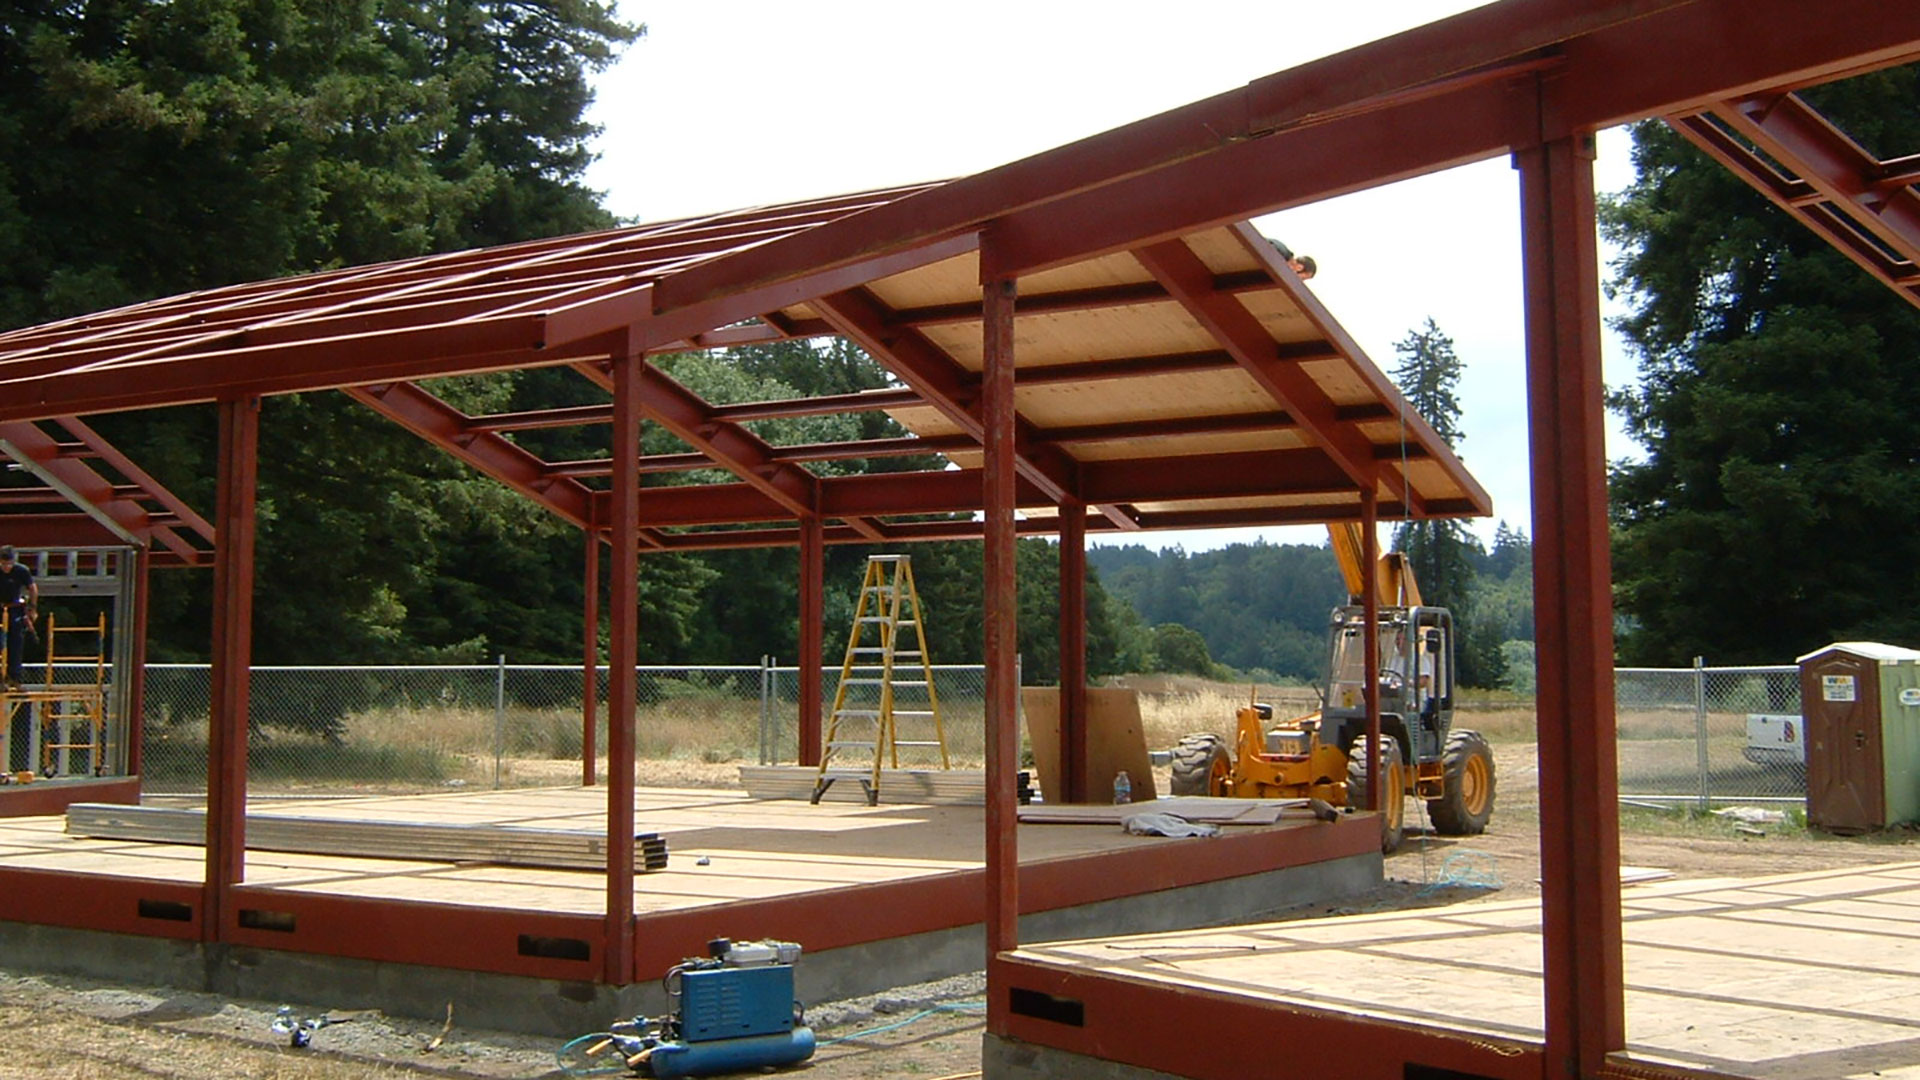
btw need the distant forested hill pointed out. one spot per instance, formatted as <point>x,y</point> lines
<point>1260,606</point>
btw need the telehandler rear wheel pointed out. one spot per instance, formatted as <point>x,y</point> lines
<point>1468,802</point>
<point>1393,777</point>
<point>1202,765</point>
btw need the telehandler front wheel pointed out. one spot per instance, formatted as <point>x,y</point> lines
<point>1393,781</point>
<point>1202,765</point>
<point>1468,803</point>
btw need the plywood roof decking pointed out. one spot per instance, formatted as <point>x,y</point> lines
<point>1203,348</point>
<point>1735,975</point>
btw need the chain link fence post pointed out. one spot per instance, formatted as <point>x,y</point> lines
<point>499,717</point>
<point>1700,730</point>
<point>766,710</point>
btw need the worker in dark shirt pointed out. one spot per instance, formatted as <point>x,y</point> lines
<point>20,595</point>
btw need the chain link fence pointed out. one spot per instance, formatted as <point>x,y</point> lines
<point>356,730</point>
<point>1710,734</point>
<point>1705,734</point>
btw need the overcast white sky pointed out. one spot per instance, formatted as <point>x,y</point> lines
<point>732,103</point>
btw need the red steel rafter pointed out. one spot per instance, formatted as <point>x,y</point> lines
<point>729,445</point>
<point>860,316</point>
<point>114,507</point>
<point>1175,266</point>
<point>427,416</point>
<point>1864,207</point>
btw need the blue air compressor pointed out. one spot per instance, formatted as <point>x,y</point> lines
<point>730,1010</point>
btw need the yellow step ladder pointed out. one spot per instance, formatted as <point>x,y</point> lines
<point>868,705</point>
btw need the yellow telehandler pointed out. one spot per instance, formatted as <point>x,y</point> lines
<point>1323,755</point>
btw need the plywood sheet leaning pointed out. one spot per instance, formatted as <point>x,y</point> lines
<point>1116,740</point>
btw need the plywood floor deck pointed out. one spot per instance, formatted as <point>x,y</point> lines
<point>754,848</point>
<point>1797,977</point>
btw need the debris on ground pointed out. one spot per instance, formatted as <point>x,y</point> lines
<point>1751,815</point>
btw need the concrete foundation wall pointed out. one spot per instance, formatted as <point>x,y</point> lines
<point>563,1009</point>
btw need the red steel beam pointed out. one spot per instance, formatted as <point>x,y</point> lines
<point>232,651</point>
<point>1078,785</point>
<point>87,489</point>
<point>1841,192</point>
<point>1579,783</point>
<point>100,449</point>
<point>1000,601</point>
<point>940,382</point>
<point>623,653</point>
<point>590,693</point>
<point>812,635</point>
<point>1303,94</point>
<point>728,444</point>
<point>1681,59</point>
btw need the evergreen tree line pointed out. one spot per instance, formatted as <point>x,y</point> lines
<point>154,148</point>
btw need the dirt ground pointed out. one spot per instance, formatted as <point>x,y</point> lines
<point>72,1028</point>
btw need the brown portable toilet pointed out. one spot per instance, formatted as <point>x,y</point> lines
<point>1860,704</point>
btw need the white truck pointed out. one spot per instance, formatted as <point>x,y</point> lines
<point>1776,740</point>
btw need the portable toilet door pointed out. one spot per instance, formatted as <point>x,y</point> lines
<point>1840,704</point>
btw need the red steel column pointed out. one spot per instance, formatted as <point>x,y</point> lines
<point>590,693</point>
<point>1002,623</point>
<point>232,657</point>
<point>1573,612</point>
<point>135,678</point>
<point>623,653</point>
<point>813,614</point>
<point>1078,785</point>
<point>1370,639</point>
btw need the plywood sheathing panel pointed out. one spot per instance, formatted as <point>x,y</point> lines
<point>1254,502</point>
<point>1340,382</point>
<point>1187,445</point>
<point>1279,315</point>
<point>1064,337</point>
<point>950,281</point>
<point>1221,251</point>
<point>1223,392</point>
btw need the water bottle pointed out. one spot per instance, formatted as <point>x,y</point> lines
<point>1122,788</point>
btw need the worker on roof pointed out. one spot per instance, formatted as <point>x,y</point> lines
<point>1302,264</point>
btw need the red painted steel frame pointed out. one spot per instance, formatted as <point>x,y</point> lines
<point>232,658</point>
<point>590,693</point>
<point>1579,785</point>
<point>623,653</point>
<point>1209,1035</point>
<point>813,615</point>
<point>1073,652</point>
<point>1000,605</point>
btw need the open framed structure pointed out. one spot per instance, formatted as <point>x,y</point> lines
<point>1035,315</point>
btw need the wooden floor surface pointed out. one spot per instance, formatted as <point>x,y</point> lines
<point>1810,976</point>
<point>753,848</point>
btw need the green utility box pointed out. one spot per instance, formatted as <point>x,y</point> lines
<point>1860,706</point>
